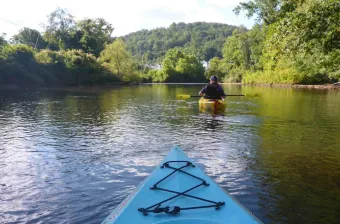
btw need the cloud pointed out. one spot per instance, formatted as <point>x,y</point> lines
<point>223,3</point>
<point>162,14</point>
<point>125,15</point>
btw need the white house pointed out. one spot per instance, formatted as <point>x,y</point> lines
<point>155,67</point>
<point>205,64</point>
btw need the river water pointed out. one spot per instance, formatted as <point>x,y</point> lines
<point>73,156</point>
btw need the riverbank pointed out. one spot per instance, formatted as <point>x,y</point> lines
<point>322,86</point>
<point>97,88</point>
<point>94,88</point>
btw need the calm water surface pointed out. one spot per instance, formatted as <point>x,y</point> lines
<point>73,156</point>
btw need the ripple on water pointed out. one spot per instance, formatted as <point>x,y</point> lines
<point>73,157</point>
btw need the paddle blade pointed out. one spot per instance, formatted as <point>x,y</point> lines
<point>253,94</point>
<point>182,96</point>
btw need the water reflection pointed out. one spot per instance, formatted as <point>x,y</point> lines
<point>278,154</point>
<point>213,124</point>
<point>299,153</point>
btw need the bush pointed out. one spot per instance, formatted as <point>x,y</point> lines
<point>17,53</point>
<point>45,56</point>
<point>283,73</point>
<point>157,76</point>
<point>21,65</point>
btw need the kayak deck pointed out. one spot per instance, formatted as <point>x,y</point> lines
<point>156,208</point>
<point>212,104</point>
<point>177,186</point>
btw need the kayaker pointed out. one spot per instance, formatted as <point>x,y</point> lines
<point>213,90</point>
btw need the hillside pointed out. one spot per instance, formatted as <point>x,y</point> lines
<point>205,40</point>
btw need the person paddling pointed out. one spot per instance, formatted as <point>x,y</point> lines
<point>213,90</point>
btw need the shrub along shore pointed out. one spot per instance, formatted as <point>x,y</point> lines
<point>293,42</point>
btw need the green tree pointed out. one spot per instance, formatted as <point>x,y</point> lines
<point>204,40</point>
<point>310,40</point>
<point>210,50</point>
<point>314,26</point>
<point>256,37</point>
<point>170,61</point>
<point>268,11</point>
<point>30,37</point>
<point>236,49</point>
<point>118,59</point>
<point>301,45</point>
<point>3,41</point>
<point>190,66</point>
<point>216,68</point>
<point>94,34</point>
<point>236,55</point>
<point>180,67</point>
<point>242,52</point>
<point>58,31</point>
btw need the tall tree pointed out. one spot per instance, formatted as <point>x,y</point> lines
<point>268,11</point>
<point>59,28</point>
<point>236,51</point>
<point>94,33</point>
<point>215,68</point>
<point>30,37</point>
<point>178,66</point>
<point>298,42</point>
<point>118,59</point>
<point>2,39</point>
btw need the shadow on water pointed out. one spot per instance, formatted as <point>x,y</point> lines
<point>212,124</point>
<point>72,156</point>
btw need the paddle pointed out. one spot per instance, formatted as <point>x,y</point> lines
<point>185,96</point>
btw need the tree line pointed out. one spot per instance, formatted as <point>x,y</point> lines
<point>203,40</point>
<point>67,53</point>
<point>294,41</point>
<point>70,52</point>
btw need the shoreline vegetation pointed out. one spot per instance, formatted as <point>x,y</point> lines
<point>293,43</point>
<point>96,88</point>
<point>277,85</point>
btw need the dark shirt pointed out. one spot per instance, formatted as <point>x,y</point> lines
<point>219,90</point>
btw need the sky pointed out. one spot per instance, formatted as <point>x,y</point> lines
<point>126,16</point>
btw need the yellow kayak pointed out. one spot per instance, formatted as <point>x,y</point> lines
<point>212,104</point>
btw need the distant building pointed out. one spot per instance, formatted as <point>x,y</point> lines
<point>155,67</point>
<point>205,64</point>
